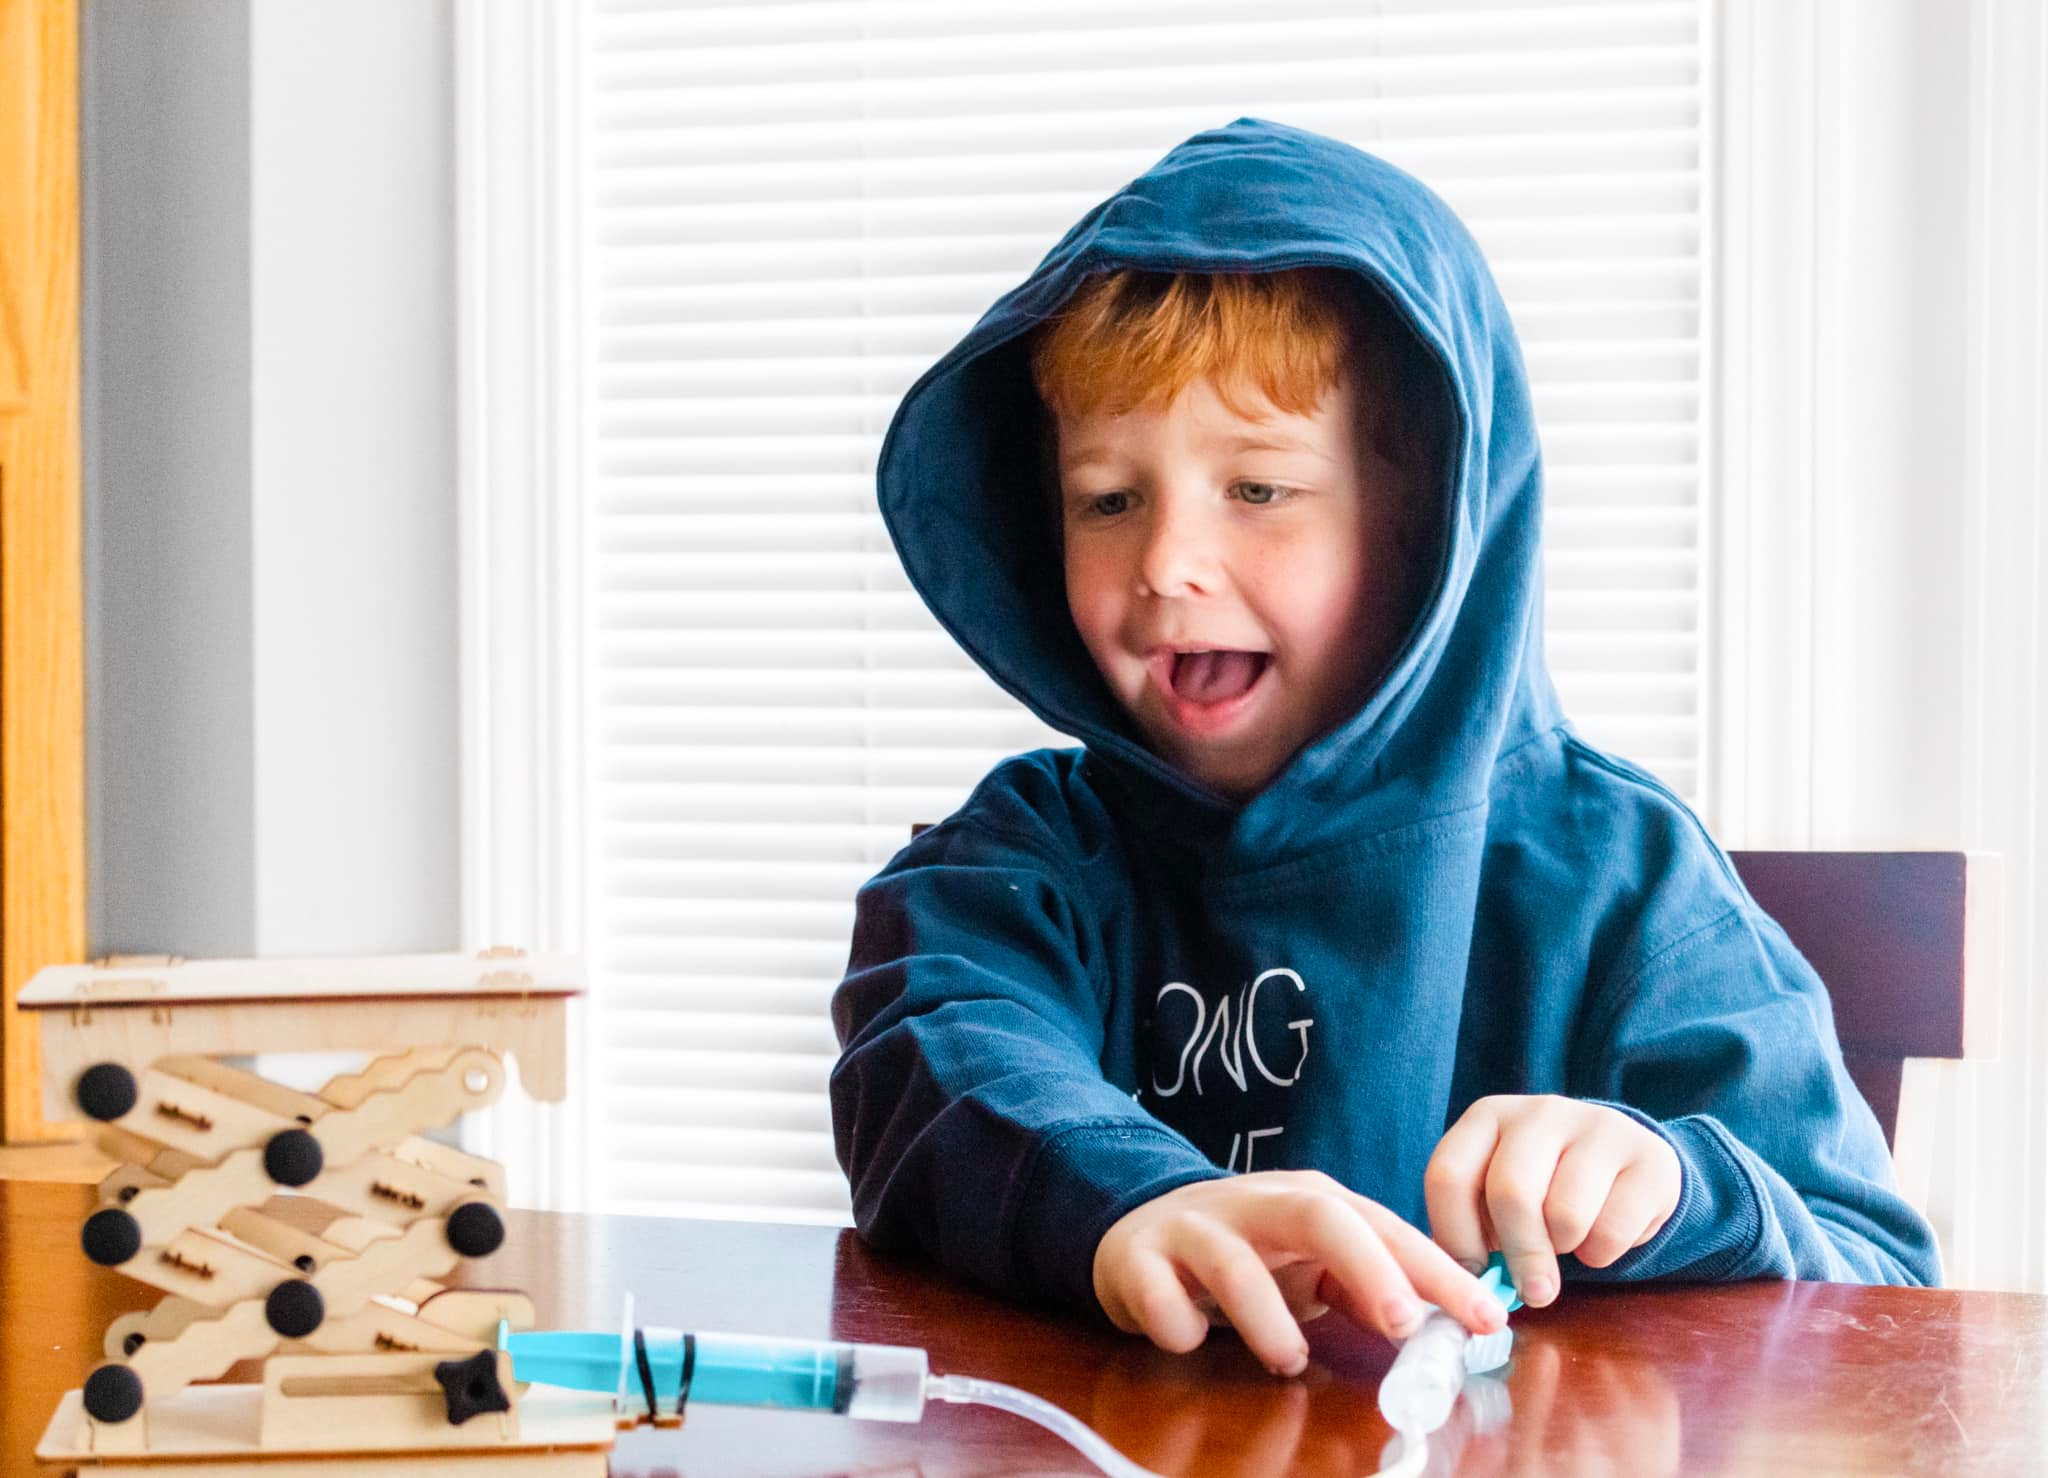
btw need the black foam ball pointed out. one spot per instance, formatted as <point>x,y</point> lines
<point>113,1393</point>
<point>111,1237</point>
<point>293,1157</point>
<point>475,1229</point>
<point>105,1091</point>
<point>295,1308</point>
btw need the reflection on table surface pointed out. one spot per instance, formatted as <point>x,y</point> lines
<point>1603,1416</point>
<point>1748,1378</point>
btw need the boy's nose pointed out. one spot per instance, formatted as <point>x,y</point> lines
<point>1179,557</point>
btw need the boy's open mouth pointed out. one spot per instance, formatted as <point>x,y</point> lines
<point>1215,676</point>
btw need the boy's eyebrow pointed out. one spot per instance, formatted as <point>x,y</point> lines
<point>1243,442</point>
<point>1086,455</point>
<point>1271,442</point>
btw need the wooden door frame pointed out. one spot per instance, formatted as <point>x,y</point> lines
<point>42,666</point>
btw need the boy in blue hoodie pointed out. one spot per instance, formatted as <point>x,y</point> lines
<point>1334,927</point>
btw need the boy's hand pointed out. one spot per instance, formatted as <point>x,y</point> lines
<point>1240,1240</point>
<point>1537,1176</point>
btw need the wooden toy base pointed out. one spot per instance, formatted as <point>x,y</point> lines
<point>212,1432</point>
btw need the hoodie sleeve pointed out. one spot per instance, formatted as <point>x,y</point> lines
<point>1723,1042</point>
<point>969,1105</point>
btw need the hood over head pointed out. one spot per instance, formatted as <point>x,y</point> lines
<point>961,486</point>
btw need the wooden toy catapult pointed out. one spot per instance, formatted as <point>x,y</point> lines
<point>307,1230</point>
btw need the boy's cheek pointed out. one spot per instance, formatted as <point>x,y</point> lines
<point>1100,651</point>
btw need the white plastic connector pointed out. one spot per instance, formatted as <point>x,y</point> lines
<point>888,1383</point>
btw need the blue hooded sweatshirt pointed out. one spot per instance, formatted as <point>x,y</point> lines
<point>1100,980</point>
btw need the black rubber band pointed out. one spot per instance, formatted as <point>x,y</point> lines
<point>842,1381</point>
<point>646,1370</point>
<point>689,1369</point>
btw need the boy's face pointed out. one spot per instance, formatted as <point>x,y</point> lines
<point>1238,582</point>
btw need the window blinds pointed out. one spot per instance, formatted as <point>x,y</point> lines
<point>790,211</point>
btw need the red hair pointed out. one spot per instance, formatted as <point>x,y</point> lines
<point>1129,339</point>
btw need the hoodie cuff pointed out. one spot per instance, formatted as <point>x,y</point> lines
<point>1086,1179</point>
<point>1719,1220</point>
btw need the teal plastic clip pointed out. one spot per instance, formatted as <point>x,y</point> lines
<point>1494,1278</point>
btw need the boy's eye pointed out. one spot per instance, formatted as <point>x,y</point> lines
<point>1259,492</point>
<point>1108,505</point>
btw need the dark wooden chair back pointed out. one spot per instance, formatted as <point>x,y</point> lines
<point>1904,942</point>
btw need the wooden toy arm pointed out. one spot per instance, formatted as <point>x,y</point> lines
<point>207,1347</point>
<point>473,1079</point>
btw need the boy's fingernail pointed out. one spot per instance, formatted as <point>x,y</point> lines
<point>1538,1291</point>
<point>1293,1365</point>
<point>1486,1310</point>
<point>1401,1315</point>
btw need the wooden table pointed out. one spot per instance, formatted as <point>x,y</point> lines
<point>1757,1378</point>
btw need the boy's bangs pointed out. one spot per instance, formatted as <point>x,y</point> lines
<point>1130,339</point>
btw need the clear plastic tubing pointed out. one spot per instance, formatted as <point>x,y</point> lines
<point>1083,1438</point>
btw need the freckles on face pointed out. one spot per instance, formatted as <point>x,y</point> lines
<point>1205,550</point>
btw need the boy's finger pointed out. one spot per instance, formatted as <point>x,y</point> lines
<point>1517,1184</point>
<point>1358,1268</point>
<point>1579,1191</point>
<point>1238,1279</point>
<point>1454,1184</point>
<point>1433,1273</point>
<point>1633,1211</point>
<point>1158,1305</point>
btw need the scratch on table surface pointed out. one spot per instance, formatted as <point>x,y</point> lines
<point>1840,1318</point>
<point>2011,1377</point>
<point>1942,1397</point>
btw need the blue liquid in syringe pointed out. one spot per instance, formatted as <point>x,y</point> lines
<point>726,1370</point>
<point>735,1371</point>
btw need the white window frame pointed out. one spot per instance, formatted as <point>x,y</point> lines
<point>521,540</point>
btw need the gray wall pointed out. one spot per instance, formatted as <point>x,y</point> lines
<point>269,400</point>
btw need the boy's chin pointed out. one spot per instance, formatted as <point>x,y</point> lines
<point>1239,777</point>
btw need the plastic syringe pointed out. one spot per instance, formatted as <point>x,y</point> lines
<point>662,1370</point>
<point>1418,1392</point>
